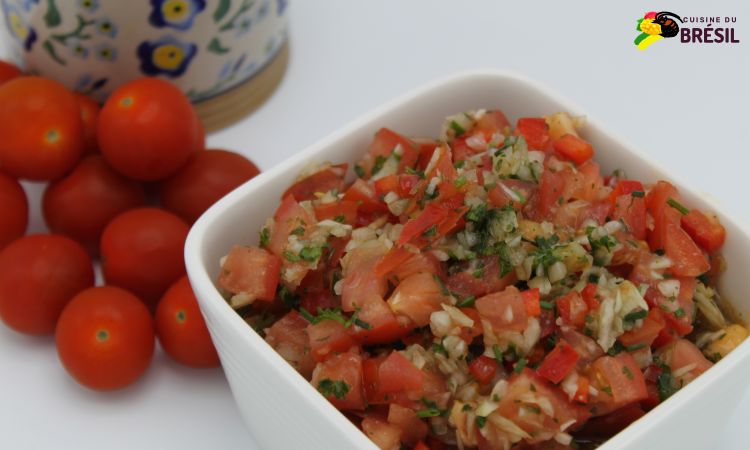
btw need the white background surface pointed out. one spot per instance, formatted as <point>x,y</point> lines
<point>687,105</point>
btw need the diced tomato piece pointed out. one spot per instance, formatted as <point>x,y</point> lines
<point>288,336</point>
<point>559,362</point>
<point>383,145</point>
<point>341,211</point>
<point>531,300</point>
<point>426,150</point>
<point>328,179</point>
<point>618,380</point>
<point>687,259</point>
<point>612,423</point>
<point>469,333</point>
<point>504,310</point>
<point>384,327</point>
<point>587,348</point>
<point>682,354</point>
<point>421,446</point>
<point>632,211</point>
<point>417,297</point>
<point>572,308</point>
<point>363,194</point>
<point>493,121</point>
<point>551,189</point>
<point>386,184</point>
<point>588,294</point>
<point>413,429</point>
<point>346,368</point>
<point>320,299</point>
<point>381,433</point>
<point>400,263</point>
<point>461,150</point>
<point>251,271</point>
<point>396,373</point>
<point>289,216</point>
<point>328,337</point>
<point>483,369</point>
<point>540,424</point>
<point>705,230</point>
<point>645,334</point>
<point>432,215</point>
<point>360,281</point>
<point>573,148</point>
<point>625,187</point>
<point>534,130</point>
<point>582,393</point>
<point>662,213</point>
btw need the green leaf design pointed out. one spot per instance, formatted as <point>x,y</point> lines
<point>640,37</point>
<point>52,16</point>
<point>215,47</point>
<point>47,45</point>
<point>638,26</point>
<point>222,9</point>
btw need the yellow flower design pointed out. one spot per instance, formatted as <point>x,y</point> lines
<point>167,55</point>
<point>649,27</point>
<point>20,30</point>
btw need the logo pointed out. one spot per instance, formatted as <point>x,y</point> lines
<point>655,27</point>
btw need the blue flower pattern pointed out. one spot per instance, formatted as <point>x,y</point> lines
<point>167,55</point>
<point>177,14</point>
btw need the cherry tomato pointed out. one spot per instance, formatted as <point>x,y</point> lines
<point>141,251</point>
<point>8,71</point>
<point>15,210</point>
<point>208,176</point>
<point>39,274</point>
<point>148,129</point>
<point>181,329</point>
<point>105,338</point>
<point>90,118</point>
<point>40,123</point>
<point>86,200</point>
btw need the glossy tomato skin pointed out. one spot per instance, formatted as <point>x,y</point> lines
<point>181,329</point>
<point>90,118</point>
<point>105,338</point>
<point>86,200</point>
<point>142,251</point>
<point>40,123</point>
<point>148,129</point>
<point>15,210</point>
<point>39,274</point>
<point>8,72</point>
<point>207,177</point>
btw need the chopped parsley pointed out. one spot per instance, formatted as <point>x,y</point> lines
<point>331,388</point>
<point>379,162</point>
<point>413,171</point>
<point>498,353</point>
<point>518,368</point>
<point>290,300</point>
<point>480,421</point>
<point>265,237</point>
<point>334,314</point>
<point>679,312</point>
<point>444,290</point>
<point>460,181</point>
<point>608,390</point>
<point>459,164</point>
<point>466,302</point>
<point>628,373</point>
<point>639,194</point>
<point>359,171</point>
<point>549,306</point>
<point>678,206</point>
<point>437,347</point>
<point>311,254</point>
<point>430,232</point>
<point>291,257</point>
<point>635,315</point>
<point>431,409</point>
<point>299,231</point>
<point>635,347</point>
<point>457,128</point>
<point>666,383</point>
<point>466,408</point>
<point>544,253</point>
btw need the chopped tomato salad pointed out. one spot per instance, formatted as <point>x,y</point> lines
<point>491,288</point>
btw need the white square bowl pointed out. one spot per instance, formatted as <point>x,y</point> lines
<point>283,411</point>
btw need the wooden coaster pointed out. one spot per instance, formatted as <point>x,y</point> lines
<point>229,107</point>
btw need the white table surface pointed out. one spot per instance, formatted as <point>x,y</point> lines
<point>685,104</point>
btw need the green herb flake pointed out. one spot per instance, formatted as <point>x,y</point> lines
<point>678,206</point>
<point>430,232</point>
<point>627,372</point>
<point>635,347</point>
<point>291,256</point>
<point>311,254</point>
<point>460,181</point>
<point>518,368</point>
<point>638,194</point>
<point>480,421</point>
<point>379,162</point>
<point>466,408</point>
<point>265,237</point>
<point>331,388</point>
<point>444,290</point>
<point>466,302</point>
<point>299,231</point>
<point>359,171</point>
<point>679,313</point>
<point>457,128</point>
<point>459,164</point>
<point>340,218</point>
<point>666,384</point>
<point>438,348</point>
<point>608,390</point>
<point>290,300</point>
<point>549,306</point>
<point>635,315</point>
<point>498,353</point>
